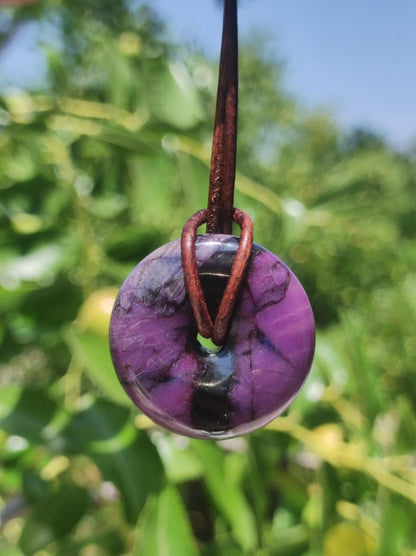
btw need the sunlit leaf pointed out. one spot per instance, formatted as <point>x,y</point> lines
<point>180,461</point>
<point>164,528</point>
<point>345,539</point>
<point>226,495</point>
<point>397,526</point>
<point>93,351</point>
<point>174,97</point>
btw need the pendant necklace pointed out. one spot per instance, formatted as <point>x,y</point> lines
<point>216,286</point>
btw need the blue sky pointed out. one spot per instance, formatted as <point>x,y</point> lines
<point>355,58</point>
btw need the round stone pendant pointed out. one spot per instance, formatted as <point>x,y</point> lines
<point>200,392</point>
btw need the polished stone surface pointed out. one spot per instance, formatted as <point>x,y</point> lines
<point>183,386</point>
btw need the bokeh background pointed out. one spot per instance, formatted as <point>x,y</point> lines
<point>103,157</point>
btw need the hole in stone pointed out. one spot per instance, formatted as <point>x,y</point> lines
<point>213,285</point>
<point>214,274</point>
<point>207,344</point>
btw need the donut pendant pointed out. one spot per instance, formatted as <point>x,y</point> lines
<point>227,288</point>
<point>205,393</point>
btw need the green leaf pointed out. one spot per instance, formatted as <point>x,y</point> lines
<point>151,175</point>
<point>344,539</point>
<point>109,540</point>
<point>34,487</point>
<point>366,381</point>
<point>54,517</point>
<point>104,431</point>
<point>174,98</point>
<point>124,455</point>
<point>7,550</point>
<point>226,494</point>
<point>180,461</point>
<point>397,524</point>
<point>164,527</point>
<point>39,265</point>
<point>33,415</point>
<point>93,352</point>
<point>22,166</point>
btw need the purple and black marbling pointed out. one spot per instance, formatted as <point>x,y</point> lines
<point>187,388</point>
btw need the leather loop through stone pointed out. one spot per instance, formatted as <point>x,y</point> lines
<point>218,329</point>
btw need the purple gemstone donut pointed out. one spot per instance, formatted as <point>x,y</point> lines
<point>194,391</point>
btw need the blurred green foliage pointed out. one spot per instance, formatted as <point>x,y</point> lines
<point>100,166</point>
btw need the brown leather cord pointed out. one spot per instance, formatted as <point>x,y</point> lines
<point>218,329</point>
<point>190,270</point>
<point>223,158</point>
<point>220,213</point>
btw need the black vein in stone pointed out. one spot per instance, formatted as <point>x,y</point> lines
<point>277,289</point>
<point>161,296</point>
<point>158,376</point>
<point>262,337</point>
